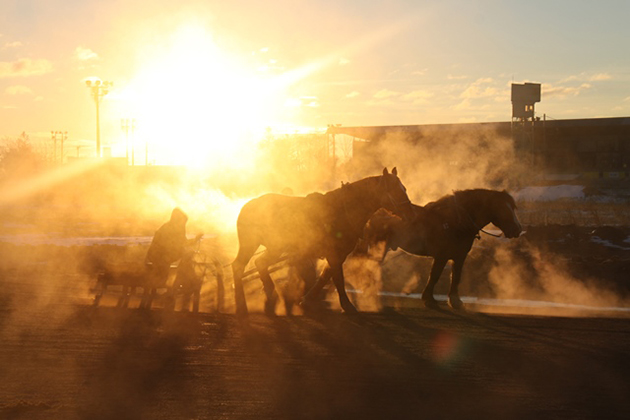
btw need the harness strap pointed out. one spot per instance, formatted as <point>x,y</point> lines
<point>346,187</point>
<point>391,199</point>
<point>470,219</point>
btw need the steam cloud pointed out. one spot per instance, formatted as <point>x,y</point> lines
<point>85,200</point>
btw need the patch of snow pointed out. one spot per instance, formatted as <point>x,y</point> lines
<point>40,239</point>
<point>550,193</point>
<point>511,302</point>
<point>608,244</point>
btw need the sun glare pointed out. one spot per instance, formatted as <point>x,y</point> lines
<point>195,106</point>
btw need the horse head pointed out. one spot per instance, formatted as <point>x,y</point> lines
<point>380,230</point>
<point>504,215</point>
<point>393,195</point>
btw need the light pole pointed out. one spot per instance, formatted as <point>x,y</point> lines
<point>98,90</point>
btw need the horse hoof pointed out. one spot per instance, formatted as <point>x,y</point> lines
<point>241,313</point>
<point>349,309</point>
<point>456,304</point>
<point>270,309</point>
<point>431,304</point>
<point>311,305</point>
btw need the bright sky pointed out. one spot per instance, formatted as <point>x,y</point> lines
<point>217,72</point>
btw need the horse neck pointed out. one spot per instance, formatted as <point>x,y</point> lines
<point>356,200</point>
<point>477,210</point>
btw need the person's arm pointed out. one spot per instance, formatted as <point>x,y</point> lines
<point>190,242</point>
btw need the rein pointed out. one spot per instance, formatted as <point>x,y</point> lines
<point>391,199</point>
<point>389,196</point>
<point>345,187</point>
<point>470,219</point>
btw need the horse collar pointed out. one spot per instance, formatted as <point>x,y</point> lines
<point>470,219</point>
<point>391,199</point>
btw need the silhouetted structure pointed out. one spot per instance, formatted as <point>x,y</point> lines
<point>587,148</point>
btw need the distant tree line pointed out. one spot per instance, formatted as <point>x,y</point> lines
<point>18,158</point>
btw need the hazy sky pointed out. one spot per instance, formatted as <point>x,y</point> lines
<point>219,69</point>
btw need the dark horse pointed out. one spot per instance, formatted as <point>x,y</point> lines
<point>316,226</point>
<point>445,230</point>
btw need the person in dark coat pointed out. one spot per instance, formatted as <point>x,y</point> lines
<point>167,247</point>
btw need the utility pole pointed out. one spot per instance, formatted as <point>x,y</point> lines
<point>133,143</point>
<point>98,89</point>
<point>53,135</point>
<point>61,135</point>
<point>126,124</point>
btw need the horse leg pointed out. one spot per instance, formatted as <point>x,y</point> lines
<point>100,288</point>
<point>336,270</point>
<point>436,271</point>
<point>169,299</point>
<point>145,297</point>
<point>307,271</point>
<point>124,298</point>
<point>262,264</point>
<point>314,295</point>
<point>220,287</point>
<point>151,294</point>
<point>245,253</point>
<point>186,301</point>
<point>453,294</point>
<point>196,299</point>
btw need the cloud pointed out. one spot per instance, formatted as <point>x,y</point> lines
<point>352,94</point>
<point>461,77</point>
<point>463,105</point>
<point>85,54</point>
<point>564,91</point>
<point>598,77</point>
<point>385,94</point>
<point>18,90</point>
<point>343,61</point>
<point>309,101</point>
<point>24,67</point>
<point>418,96</point>
<point>478,90</point>
<point>269,67</point>
<point>14,44</point>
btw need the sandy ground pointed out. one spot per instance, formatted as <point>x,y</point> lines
<point>61,358</point>
<point>73,361</point>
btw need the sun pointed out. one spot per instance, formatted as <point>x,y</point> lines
<point>196,105</point>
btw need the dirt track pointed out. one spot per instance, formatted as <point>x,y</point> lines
<point>63,359</point>
<point>106,363</point>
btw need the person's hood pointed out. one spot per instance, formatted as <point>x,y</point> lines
<point>178,216</point>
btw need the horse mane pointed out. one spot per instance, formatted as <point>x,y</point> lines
<point>344,185</point>
<point>446,201</point>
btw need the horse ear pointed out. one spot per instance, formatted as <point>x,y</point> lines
<point>385,172</point>
<point>395,171</point>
